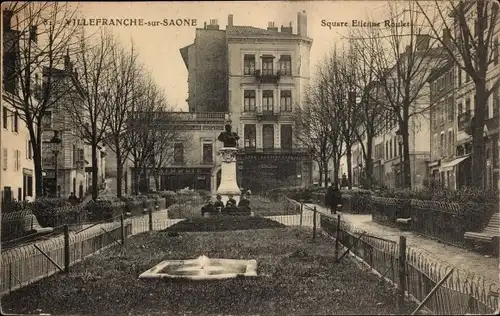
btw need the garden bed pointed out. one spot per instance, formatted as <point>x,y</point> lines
<point>223,223</point>
<point>296,277</point>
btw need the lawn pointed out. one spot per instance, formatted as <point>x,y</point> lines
<point>260,206</point>
<point>296,277</point>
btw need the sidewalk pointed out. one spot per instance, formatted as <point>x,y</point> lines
<point>460,258</point>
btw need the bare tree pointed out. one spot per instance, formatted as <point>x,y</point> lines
<point>403,58</point>
<point>91,112</point>
<point>36,41</point>
<point>312,128</point>
<point>469,28</point>
<point>123,92</point>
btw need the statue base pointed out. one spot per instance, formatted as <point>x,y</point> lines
<point>228,185</point>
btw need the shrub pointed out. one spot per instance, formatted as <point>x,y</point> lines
<point>104,210</point>
<point>462,195</point>
<point>65,215</point>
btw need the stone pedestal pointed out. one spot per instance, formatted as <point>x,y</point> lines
<point>228,185</point>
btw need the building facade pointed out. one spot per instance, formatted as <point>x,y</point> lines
<point>17,178</point>
<point>267,71</point>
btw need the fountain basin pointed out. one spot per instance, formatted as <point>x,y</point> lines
<point>202,268</point>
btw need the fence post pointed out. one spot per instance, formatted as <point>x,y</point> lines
<point>66,248</point>
<point>337,239</point>
<point>301,210</point>
<point>122,223</point>
<point>150,212</point>
<point>314,223</point>
<point>402,273</point>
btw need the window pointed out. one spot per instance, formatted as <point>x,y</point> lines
<point>390,149</point>
<point>207,152</point>
<point>15,122</point>
<point>459,77</point>
<point>47,120</point>
<point>29,150</point>
<point>249,100</point>
<point>17,160</point>
<point>75,154</point>
<point>451,109</point>
<point>395,147</point>
<point>28,189</point>
<point>81,155</point>
<point>286,136</point>
<point>495,52</point>
<point>487,109</point>
<point>459,108</point>
<point>286,101</point>
<point>496,102</point>
<point>467,77</point>
<point>387,150</point>
<point>434,145</point>
<point>467,105</point>
<point>441,144</point>
<point>249,65</point>
<point>5,118</point>
<point>286,65</point>
<point>178,153</point>
<point>9,75</point>
<point>249,132</point>
<point>267,100</point>
<point>450,143</point>
<point>268,136</point>
<point>267,65</point>
<point>5,157</point>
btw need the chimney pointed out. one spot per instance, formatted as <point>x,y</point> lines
<point>214,25</point>
<point>230,20</point>
<point>302,24</point>
<point>7,19</point>
<point>67,62</point>
<point>271,27</point>
<point>287,29</point>
<point>446,37</point>
<point>422,42</point>
<point>33,34</point>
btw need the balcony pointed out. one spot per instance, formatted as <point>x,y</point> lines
<point>274,150</point>
<point>267,76</point>
<point>464,121</point>
<point>267,116</point>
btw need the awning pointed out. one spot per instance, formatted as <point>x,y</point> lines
<point>449,165</point>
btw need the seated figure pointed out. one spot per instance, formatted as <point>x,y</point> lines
<point>244,205</point>
<point>208,208</point>
<point>231,200</point>
<point>231,208</point>
<point>219,205</point>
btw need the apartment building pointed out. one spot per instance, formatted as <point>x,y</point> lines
<point>17,179</point>
<point>465,98</point>
<point>444,163</point>
<point>266,72</point>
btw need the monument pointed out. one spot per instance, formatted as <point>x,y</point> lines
<point>228,185</point>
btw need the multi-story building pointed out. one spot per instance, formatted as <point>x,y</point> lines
<point>443,161</point>
<point>17,179</point>
<point>266,73</point>
<point>73,169</point>
<point>465,98</point>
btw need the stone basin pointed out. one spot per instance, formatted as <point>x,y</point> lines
<point>202,268</point>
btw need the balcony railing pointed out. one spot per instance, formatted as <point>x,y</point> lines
<point>273,150</point>
<point>267,76</point>
<point>267,116</point>
<point>464,120</point>
<point>191,116</point>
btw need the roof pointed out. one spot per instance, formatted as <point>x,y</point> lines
<point>184,53</point>
<point>439,71</point>
<point>250,31</point>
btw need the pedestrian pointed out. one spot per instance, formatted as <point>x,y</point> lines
<point>333,198</point>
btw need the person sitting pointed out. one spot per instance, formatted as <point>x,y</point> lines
<point>232,200</point>
<point>208,208</point>
<point>244,205</point>
<point>219,205</point>
<point>72,198</point>
<point>230,209</point>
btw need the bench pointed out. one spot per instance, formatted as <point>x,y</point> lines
<point>20,224</point>
<point>404,223</point>
<point>488,236</point>
<point>34,225</point>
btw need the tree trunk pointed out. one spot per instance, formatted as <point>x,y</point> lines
<point>157,179</point>
<point>136,178</point>
<point>325,169</point>
<point>349,166</point>
<point>320,169</point>
<point>369,161</point>
<point>95,171</point>
<point>478,161</point>
<point>119,170</point>
<point>406,152</point>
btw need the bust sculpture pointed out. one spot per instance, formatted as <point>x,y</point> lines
<point>228,137</point>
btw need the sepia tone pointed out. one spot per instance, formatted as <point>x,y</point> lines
<point>250,158</point>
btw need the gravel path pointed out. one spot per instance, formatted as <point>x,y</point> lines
<point>463,259</point>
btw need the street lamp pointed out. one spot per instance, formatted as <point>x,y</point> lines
<point>55,145</point>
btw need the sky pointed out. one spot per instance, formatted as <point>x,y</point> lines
<point>158,46</point>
